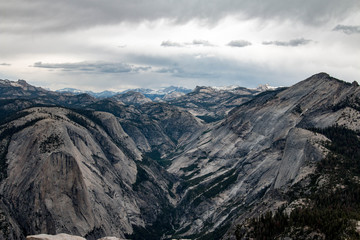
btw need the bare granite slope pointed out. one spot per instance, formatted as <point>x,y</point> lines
<point>77,174</point>
<point>262,146</point>
<point>97,173</point>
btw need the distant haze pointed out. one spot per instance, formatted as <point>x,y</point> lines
<point>119,44</point>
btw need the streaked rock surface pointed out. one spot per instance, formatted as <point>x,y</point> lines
<point>98,173</point>
<point>61,236</point>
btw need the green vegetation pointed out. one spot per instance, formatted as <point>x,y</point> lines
<point>8,118</point>
<point>145,185</point>
<point>210,189</point>
<point>222,183</point>
<point>327,222</point>
<point>261,98</point>
<point>51,143</point>
<point>189,168</point>
<point>352,103</point>
<point>297,109</point>
<point>217,234</point>
<point>335,203</point>
<point>3,152</point>
<point>198,180</point>
<point>77,119</point>
<point>141,176</point>
<point>4,225</point>
<point>155,155</point>
<point>210,119</point>
<point>191,175</point>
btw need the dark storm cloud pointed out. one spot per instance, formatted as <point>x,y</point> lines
<point>291,43</point>
<point>347,29</point>
<point>239,43</point>
<point>97,67</point>
<point>5,64</point>
<point>43,15</point>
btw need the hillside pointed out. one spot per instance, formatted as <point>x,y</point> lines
<point>156,171</point>
<point>76,173</point>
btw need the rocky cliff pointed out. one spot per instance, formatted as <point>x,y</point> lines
<point>262,146</point>
<point>155,171</point>
<point>212,104</point>
<point>79,174</point>
<point>157,129</point>
<point>18,95</point>
<point>131,98</point>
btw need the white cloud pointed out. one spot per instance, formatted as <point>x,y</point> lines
<point>118,43</point>
<point>43,15</point>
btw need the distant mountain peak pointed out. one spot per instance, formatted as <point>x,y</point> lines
<point>265,87</point>
<point>321,75</point>
<point>321,80</point>
<point>21,84</point>
<point>131,98</point>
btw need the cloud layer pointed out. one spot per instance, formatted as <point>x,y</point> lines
<point>292,43</point>
<point>44,15</point>
<point>196,42</point>
<point>93,67</point>
<point>169,43</point>
<point>347,29</point>
<point>120,43</point>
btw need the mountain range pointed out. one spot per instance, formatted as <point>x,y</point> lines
<point>165,93</point>
<point>150,93</point>
<point>229,163</point>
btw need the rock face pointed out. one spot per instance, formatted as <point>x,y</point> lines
<point>15,96</point>
<point>78,174</point>
<point>97,172</point>
<point>20,88</point>
<point>212,104</point>
<point>64,236</point>
<point>61,236</point>
<point>261,146</point>
<point>131,98</point>
<point>156,128</point>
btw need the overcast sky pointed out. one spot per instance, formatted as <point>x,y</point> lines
<point>117,44</point>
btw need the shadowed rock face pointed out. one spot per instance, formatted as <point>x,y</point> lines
<point>89,173</point>
<point>64,236</point>
<point>154,127</point>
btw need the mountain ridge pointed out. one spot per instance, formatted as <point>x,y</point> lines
<point>178,176</point>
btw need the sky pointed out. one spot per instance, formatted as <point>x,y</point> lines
<point>121,44</point>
